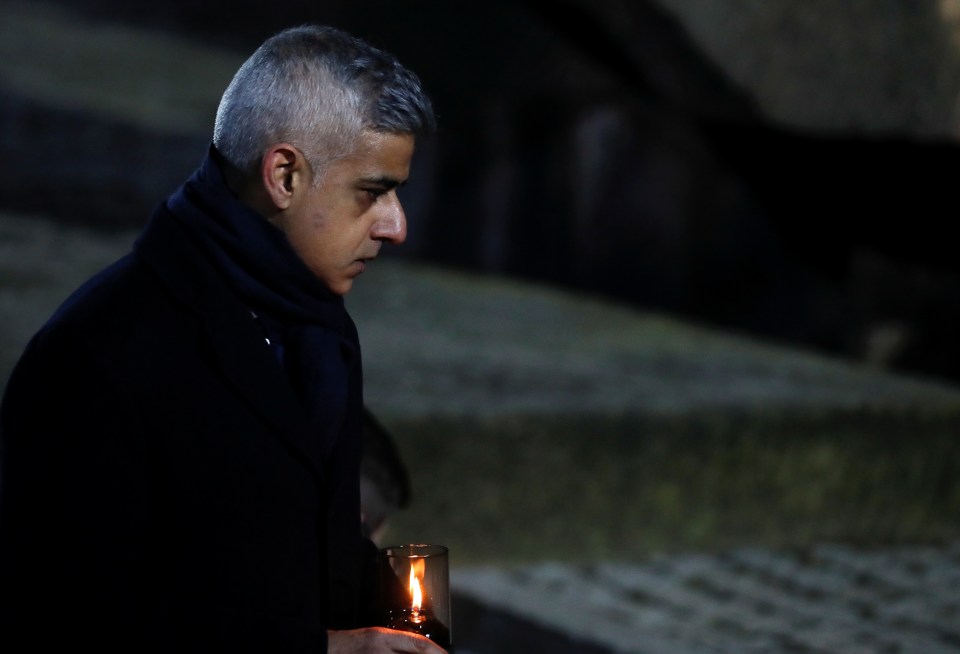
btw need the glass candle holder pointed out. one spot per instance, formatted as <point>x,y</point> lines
<point>414,591</point>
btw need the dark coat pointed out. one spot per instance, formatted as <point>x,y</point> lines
<point>160,488</point>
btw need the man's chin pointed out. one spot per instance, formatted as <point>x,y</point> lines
<point>342,287</point>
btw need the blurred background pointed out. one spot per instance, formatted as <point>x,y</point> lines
<point>778,169</point>
<point>678,278</point>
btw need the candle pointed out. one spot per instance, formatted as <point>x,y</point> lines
<point>423,606</point>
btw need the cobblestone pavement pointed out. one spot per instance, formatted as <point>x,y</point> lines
<point>826,599</point>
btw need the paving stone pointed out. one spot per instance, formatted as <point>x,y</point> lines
<point>826,599</point>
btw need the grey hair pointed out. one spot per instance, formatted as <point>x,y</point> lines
<point>316,88</point>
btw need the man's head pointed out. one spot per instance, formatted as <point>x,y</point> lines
<point>320,127</point>
<point>316,88</point>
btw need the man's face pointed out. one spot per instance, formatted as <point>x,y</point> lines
<point>339,225</point>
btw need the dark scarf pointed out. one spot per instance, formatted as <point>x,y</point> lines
<point>320,344</point>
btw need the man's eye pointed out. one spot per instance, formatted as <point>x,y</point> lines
<point>374,193</point>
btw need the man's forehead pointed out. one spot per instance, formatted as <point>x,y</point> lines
<point>372,141</point>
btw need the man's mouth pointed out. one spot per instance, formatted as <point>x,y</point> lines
<point>363,261</point>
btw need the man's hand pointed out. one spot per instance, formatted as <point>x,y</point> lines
<point>379,640</point>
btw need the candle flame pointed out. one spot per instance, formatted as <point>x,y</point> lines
<point>416,592</point>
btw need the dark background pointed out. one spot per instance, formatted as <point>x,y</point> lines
<point>588,145</point>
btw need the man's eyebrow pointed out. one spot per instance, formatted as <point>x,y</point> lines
<point>383,181</point>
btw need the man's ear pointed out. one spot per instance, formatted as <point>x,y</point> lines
<point>283,171</point>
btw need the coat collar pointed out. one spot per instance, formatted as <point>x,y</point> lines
<point>233,336</point>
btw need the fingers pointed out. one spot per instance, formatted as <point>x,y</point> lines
<point>407,643</point>
<point>424,645</point>
<point>380,640</point>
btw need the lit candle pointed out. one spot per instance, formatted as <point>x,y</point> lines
<point>414,591</point>
<point>417,618</point>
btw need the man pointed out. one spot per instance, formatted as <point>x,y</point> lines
<point>180,443</point>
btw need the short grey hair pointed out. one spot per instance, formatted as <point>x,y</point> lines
<point>316,88</point>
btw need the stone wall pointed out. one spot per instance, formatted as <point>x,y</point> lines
<point>865,66</point>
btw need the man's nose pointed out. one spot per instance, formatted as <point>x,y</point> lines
<point>391,225</point>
